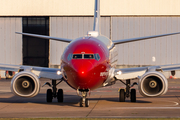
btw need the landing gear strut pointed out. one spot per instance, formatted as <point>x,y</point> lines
<point>52,93</point>
<point>127,92</point>
<point>84,100</point>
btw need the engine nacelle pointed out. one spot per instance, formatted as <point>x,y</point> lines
<point>153,84</point>
<point>25,84</point>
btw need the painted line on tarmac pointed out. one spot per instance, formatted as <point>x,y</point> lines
<point>134,117</point>
<point>175,103</point>
<point>172,103</point>
<point>145,108</point>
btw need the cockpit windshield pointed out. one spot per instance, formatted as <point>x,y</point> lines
<point>84,56</point>
<point>77,56</point>
<point>88,56</point>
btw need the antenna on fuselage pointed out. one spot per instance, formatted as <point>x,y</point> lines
<point>96,16</point>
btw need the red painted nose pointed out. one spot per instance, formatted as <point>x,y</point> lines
<point>82,72</point>
<point>82,67</point>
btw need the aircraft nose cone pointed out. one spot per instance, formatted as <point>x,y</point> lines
<point>82,68</point>
<point>82,73</point>
<point>85,74</point>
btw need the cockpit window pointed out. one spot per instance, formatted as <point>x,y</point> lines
<point>88,56</point>
<point>84,56</point>
<point>69,57</point>
<point>77,56</point>
<point>97,57</point>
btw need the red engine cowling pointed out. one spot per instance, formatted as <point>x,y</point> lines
<point>25,84</point>
<point>153,84</point>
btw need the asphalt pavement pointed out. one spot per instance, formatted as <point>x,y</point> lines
<point>103,103</point>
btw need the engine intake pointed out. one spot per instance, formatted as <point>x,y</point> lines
<point>153,84</point>
<point>25,84</point>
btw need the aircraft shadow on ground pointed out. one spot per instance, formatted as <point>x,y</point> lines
<point>117,100</point>
<point>69,100</point>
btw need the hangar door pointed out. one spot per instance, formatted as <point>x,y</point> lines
<point>35,50</point>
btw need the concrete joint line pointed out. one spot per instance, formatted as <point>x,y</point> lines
<point>93,107</point>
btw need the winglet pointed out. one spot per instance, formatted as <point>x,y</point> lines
<point>96,16</point>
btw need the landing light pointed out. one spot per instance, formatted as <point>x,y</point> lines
<point>58,72</point>
<point>82,72</point>
<point>119,72</point>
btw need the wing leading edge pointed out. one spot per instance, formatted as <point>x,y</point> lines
<point>141,38</point>
<point>41,72</point>
<point>133,73</point>
<point>46,37</point>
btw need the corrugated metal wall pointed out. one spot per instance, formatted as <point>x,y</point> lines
<point>71,27</point>
<point>166,49</point>
<point>10,43</point>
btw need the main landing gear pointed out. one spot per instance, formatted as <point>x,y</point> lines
<point>127,92</point>
<point>53,93</point>
<point>83,99</point>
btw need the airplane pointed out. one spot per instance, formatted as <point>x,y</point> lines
<point>85,66</point>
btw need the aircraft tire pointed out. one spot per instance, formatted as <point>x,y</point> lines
<point>49,95</point>
<point>121,95</point>
<point>86,103</point>
<point>81,102</point>
<point>133,95</point>
<point>60,95</point>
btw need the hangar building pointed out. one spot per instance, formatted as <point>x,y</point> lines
<point>120,19</point>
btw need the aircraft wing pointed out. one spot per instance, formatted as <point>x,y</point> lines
<point>141,38</point>
<point>41,72</point>
<point>46,37</point>
<point>133,73</point>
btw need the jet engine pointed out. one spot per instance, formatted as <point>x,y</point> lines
<point>153,84</point>
<point>25,84</point>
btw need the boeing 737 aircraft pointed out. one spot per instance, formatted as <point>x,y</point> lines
<point>85,66</point>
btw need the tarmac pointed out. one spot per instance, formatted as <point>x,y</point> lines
<point>103,103</point>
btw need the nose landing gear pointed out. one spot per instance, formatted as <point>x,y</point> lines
<point>84,100</point>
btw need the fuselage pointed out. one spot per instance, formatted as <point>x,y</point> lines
<point>86,63</point>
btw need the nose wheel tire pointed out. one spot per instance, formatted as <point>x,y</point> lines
<point>81,102</point>
<point>83,99</point>
<point>60,95</point>
<point>49,96</point>
<point>86,102</point>
<point>121,95</point>
<point>133,95</point>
